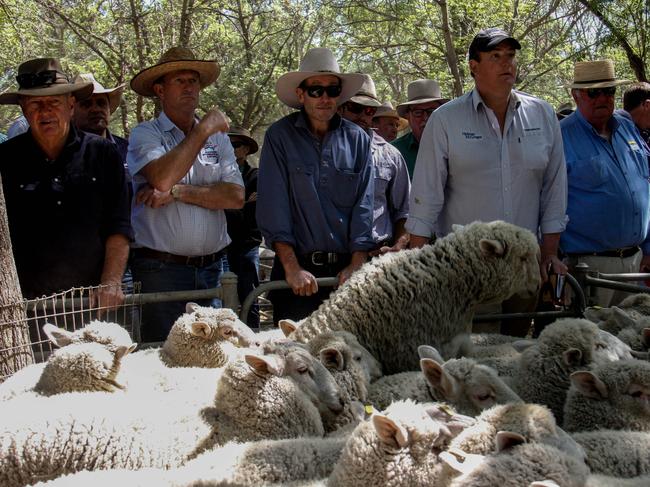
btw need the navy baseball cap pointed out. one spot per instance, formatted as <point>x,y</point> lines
<point>488,39</point>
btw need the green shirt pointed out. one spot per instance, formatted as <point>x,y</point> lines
<point>408,146</point>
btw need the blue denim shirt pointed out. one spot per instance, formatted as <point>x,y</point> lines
<point>609,193</point>
<point>312,194</point>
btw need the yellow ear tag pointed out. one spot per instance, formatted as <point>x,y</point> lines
<point>446,409</point>
<point>369,409</point>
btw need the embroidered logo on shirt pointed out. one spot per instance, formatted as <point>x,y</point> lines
<point>472,136</point>
<point>633,145</point>
<point>210,154</point>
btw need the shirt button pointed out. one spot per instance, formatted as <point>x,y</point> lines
<point>94,179</point>
<point>58,203</point>
<point>22,186</point>
<point>56,180</point>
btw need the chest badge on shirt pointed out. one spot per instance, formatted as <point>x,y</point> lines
<point>472,136</point>
<point>209,154</point>
<point>633,145</point>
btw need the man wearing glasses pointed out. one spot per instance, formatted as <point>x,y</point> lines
<point>609,194</point>
<point>392,183</point>
<point>423,98</point>
<point>315,185</point>
<point>492,154</point>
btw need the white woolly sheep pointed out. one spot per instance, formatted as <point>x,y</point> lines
<point>399,447</point>
<point>610,396</point>
<point>533,421</point>
<point>401,300</point>
<point>273,396</point>
<point>563,347</point>
<point>516,464</point>
<point>606,481</point>
<point>617,453</point>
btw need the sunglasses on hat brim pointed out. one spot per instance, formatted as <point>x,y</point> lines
<point>43,78</point>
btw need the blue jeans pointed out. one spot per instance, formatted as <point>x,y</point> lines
<point>246,265</point>
<point>158,276</point>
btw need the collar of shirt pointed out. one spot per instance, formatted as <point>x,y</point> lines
<point>513,102</point>
<point>167,125</point>
<point>72,143</point>
<point>613,123</point>
<point>301,121</point>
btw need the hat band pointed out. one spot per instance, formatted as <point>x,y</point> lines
<point>594,81</point>
<point>423,97</point>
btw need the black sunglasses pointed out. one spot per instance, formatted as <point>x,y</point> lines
<point>596,92</point>
<point>316,91</point>
<point>237,144</point>
<point>356,108</point>
<point>420,112</point>
<point>44,78</point>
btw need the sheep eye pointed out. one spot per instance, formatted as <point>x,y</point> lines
<point>358,358</point>
<point>302,370</point>
<point>636,394</point>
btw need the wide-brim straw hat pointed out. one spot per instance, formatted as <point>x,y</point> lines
<point>595,74</point>
<point>175,59</point>
<point>44,77</point>
<point>242,133</point>
<point>386,110</point>
<point>367,94</point>
<point>421,91</point>
<point>114,94</point>
<point>317,62</point>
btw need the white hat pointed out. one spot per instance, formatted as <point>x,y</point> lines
<point>367,95</point>
<point>595,74</point>
<point>421,91</point>
<point>386,110</point>
<point>317,62</point>
<point>114,94</point>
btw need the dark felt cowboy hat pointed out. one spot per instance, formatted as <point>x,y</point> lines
<point>245,135</point>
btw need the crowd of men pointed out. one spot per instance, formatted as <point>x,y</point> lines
<point>179,202</point>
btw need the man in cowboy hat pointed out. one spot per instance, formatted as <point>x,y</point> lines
<point>66,195</point>
<point>424,97</point>
<point>387,122</point>
<point>492,154</point>
<point>392,184</point>
<point>315,186</point>
<point>243,251</point>
<point>93,114</point>
<point>609,196</point>
<point>184,175</point>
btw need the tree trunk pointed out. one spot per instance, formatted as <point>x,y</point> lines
<point>450,50</point>
<point>15,349</point>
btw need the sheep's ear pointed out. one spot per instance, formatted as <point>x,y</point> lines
<point>287,326</point>
<point>543,483</point>
<point>455,422</point>
<point>120,352</point>
<point>200,329</point>
<point>58,336</point>
<point>621,318</point>
<point>191,307</point>
<point>132,347</point>
<point>507,439</point>
<point>265,364</point>
<point>438,378</point>
<point>572,357</point>
<point>492,248</point>
<point>390,432</point>
<point>358,411</point>
<point>332,358</point>
<point>521,345</point>
<point>597,314</point>
<point>427,351</point>
<point>589,385</point>
<point>461,462</point>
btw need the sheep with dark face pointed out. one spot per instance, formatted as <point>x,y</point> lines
<point>401,300</point>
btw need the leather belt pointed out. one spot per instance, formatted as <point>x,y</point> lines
<point>320,258</point>
<point>620,253</point>
<point>197,261</point>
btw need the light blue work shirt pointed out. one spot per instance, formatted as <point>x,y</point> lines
<point>468,170</point>
<point>609,193</point>
<point>313,194</point>
<point>180,228</point>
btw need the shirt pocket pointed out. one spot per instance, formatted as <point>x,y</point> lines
<point>382,179</point>
<point>535,150</point>
<point>587,173</point>
<point>343,188</point>
<point>302,184</point>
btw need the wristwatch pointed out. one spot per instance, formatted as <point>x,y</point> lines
<point>174,191</point>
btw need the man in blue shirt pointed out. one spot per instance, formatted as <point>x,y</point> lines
<point>315,185</point>
<point>609,194</point>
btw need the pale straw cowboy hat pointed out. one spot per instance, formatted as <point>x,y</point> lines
<point>44,77</point>
<point>421,91</point>
<point>317,62</point>
<point>367,94</point>
<point>114,94</point>
<point>595,74</point>
<point>386,110</point>
<point>175,59</point>
<point>242,133</point>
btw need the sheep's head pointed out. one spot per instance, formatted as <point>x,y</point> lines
<point>103,332</point>
<point>217,324</point>
<point>356,356</point>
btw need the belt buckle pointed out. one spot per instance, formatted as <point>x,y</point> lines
<point>620,253</point>
<point>315,255</point>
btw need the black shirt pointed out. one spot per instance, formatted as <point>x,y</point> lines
<point>242,225</point>
<point>61,212</point>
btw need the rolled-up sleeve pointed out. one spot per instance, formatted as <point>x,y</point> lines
<point>145,145</point>
<point>230,172</point>
<point>362,214</point>
<point>273,211</point>
<point>429,179</point>
<point>553,197</point>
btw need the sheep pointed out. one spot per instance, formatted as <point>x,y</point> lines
<point>517,463</point>
<point>81,367</point>
<point>606,481</point>
<point>563,347</point>
<point>615,452</point>
<point>610,396</point>
<point>468,386</point>
<point>274,396</point>
<point>533,421</point>
<point>399,447</point>
<point>616,318</point>
<point>400,300</point>
<point>637,340</point>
